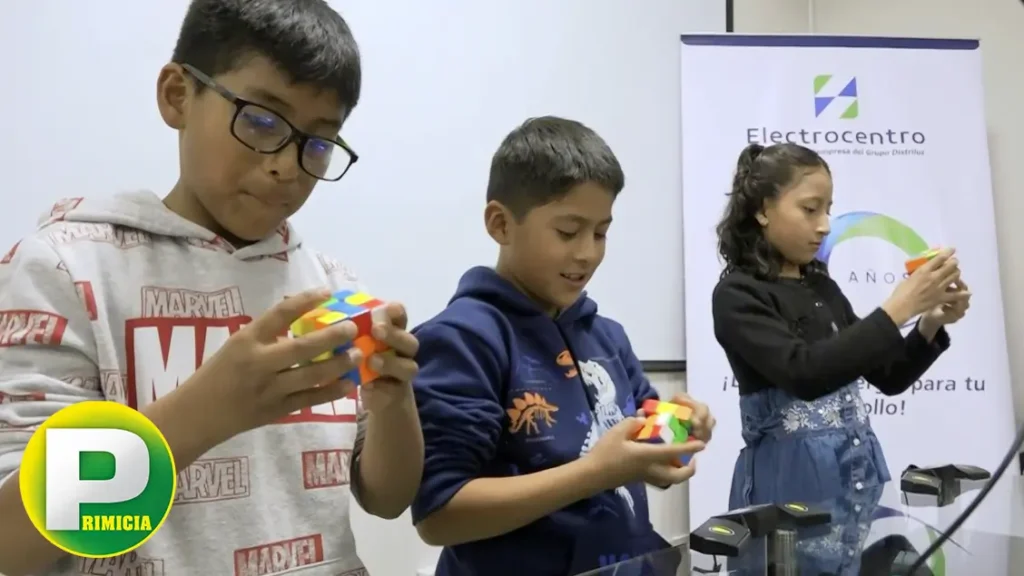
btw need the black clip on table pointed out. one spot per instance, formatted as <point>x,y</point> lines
<point>946,483</point>
<point>932,487</point>
<point>779,524</point>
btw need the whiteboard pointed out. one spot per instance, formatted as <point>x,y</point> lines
<point>443,83</point>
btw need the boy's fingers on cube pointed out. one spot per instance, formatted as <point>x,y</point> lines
<point>285,354</point>
<point>691,446</point>
<point>660,475</point>
<point>323,394</point>
<point>700,409</point>
<point>701,412</point>
<point>666,475</point>
<point>402,342</point>
<point>704,430</point>
<point>686,472</point>
<point>394,366</point>
<point>625,430</point>
<point>668,452</point>
<point>398,315</point>
<point>279,318</point>
<point>313,376</point>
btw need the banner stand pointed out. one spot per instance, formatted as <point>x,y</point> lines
<point>901,124</point>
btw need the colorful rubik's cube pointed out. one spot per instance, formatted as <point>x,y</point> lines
<point>667,423</point>
<point>362,310</point>
<point>920,260</point>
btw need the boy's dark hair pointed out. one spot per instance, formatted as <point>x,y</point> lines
<point>761,174</point>
<point>307,39</point>
<point>542,159</point>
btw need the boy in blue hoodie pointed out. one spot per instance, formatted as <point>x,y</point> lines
<point>526,395</point>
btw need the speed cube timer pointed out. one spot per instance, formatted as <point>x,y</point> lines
<point>920,260</point>
<point>666,423</point>
<point>362,310</point>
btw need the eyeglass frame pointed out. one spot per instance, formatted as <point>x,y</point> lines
<point>299,137</point>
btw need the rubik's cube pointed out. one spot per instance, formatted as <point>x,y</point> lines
<point>362,310</point>
<point>920,260</point>
<point>666,423</point>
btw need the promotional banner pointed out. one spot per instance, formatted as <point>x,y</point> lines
<point>901,123</point>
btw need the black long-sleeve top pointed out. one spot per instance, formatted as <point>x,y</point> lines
<point>802,337</point>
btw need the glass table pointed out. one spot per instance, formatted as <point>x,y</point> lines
<point>880,534</point>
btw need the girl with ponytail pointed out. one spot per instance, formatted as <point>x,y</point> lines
<point>800,355</point>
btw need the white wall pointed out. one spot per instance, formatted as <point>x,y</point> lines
<point>770,17</point>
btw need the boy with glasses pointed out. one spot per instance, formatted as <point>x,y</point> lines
<point>177,307</point>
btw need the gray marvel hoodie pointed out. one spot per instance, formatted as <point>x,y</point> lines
<point>121,299</point>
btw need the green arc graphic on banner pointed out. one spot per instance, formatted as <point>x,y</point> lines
<point>871,225</point>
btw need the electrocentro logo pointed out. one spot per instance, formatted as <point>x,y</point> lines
<point>97,479</point>
<point>871,225</point>
<point>828,118</point>
<point>845,99</point>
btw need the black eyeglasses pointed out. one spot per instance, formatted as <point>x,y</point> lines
<point>262,130</point>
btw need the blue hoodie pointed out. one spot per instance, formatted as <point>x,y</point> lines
<point>504,390</point>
